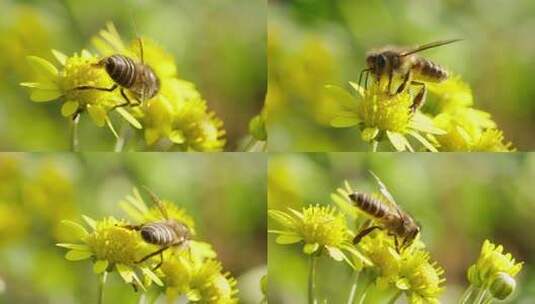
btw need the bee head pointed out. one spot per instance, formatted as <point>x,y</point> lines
<point>376,62</point>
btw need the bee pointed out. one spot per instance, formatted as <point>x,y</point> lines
<point>128,74</point>
<point>389,216</point>
<point>166,233</point>
<point>413,69</point>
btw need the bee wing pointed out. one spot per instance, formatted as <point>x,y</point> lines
<point>384,191</point>
<point>156,200</point>
<point>429,46</point>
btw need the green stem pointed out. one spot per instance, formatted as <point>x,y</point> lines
<point>101,282</point>
<point>395,297</point>
<point>74,133</point>
<point>481,295</point>
<point>121,140</point>
<point>375,144</point>
<point>467,294</point>
<point>312,280</point>
<point>353,290</point>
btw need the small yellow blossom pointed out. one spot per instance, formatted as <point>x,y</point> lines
<point>490,263</point>
<point>321,228</point>
<point>111,247</point>
<point>381,116</point>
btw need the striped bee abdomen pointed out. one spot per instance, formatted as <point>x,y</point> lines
<point>158,234</point>
<point>429,71</point>
<point>369,204</point>
<point>121,69</point>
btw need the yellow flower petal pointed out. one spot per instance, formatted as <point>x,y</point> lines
<point>288,239</point>
<point>45,95</point>
<point>41,65</point>
<point>151,135</point>
<point>69,108</point>
<point>61,58</point>
<point>41,85</point>
<point>97,114</point>
<point>177,136</point>
<point>311,248</point>
<point>126,272</point>
<point>77,255</point>
<point>77,230</point>
<point>398,140</point>
<point>128,117</point>
<point>152,276</point>
<point>100,266</point>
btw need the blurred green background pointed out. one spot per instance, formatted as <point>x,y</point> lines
<point>459,199</point>
<point>316,42</point>
<point>220,45</point>
<point>37,191</point>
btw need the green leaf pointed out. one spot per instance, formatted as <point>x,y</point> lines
<point>100,266</point>
<point>39,95</point>
<point>288,239</point>
<point>311,248</point>
<point>77,255</point>
<point>43,66</point>
<point>69,108</point>
<point>128,117</point>
<point>77,230</point>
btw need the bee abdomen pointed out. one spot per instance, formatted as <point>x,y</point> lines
<point>122,70</point>
<point>158,234</point>
<point>370,205</point>
<point>430,71</point>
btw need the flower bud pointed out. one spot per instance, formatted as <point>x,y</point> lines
<point>502,286</point>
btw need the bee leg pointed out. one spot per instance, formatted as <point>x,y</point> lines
<point>131,227</point>
<point>390,77</point>
<point>81,88</point>
<point>160,263</point>
<point>403,85</point>
<point>363,233</point>
<point>150,255</point>
<point>419,100</point>
<point>398,249</point>
<point>367,71</point>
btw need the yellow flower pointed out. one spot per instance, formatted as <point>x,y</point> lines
<point>451,94</point>
<point>210,285</point>
<point>111,247</point>
<point>469,129</point>
<point>319,227</point>
<point>177,113</point>
<point>381,116</point>
<point>77,70</point>
<point>490,263</point>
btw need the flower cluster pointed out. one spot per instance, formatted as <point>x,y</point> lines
<point>321,229</point>
<point>176,115</point>
<point>192,271</point>
<point>495,270</point>
<point>447,123</point>
<point>409,270</point>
